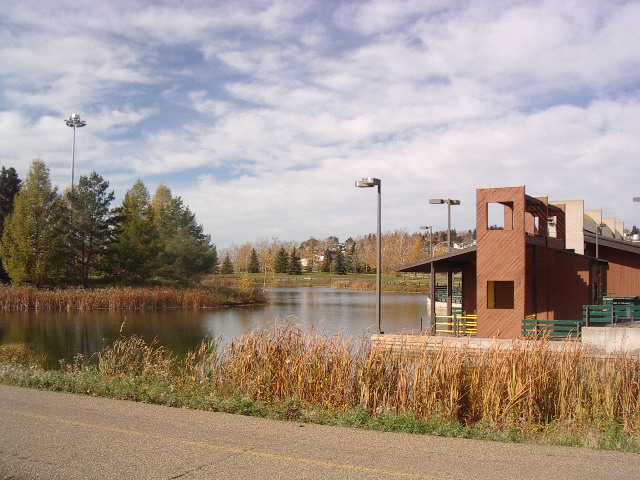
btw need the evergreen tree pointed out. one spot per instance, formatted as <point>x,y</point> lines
<point>133,254</point>
<point>340,264</point>
<point>295,266</point>
<point>9,188</point>
<point>353,263</point>
<point>254,264</point>
<point>33,246</point>
<point>282,261</point>
<point>326,262</point>
<point>214,254</point>
<point>91,225</point>
<point>227,267</point>
<point>185,251</point>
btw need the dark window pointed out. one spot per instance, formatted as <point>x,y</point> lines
<point>500,294</point>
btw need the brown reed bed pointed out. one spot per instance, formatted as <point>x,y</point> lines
<point>123,298</point>
<point>353,284</point>
<point>527,384</point>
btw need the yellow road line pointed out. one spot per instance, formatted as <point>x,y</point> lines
<point>273,456</point>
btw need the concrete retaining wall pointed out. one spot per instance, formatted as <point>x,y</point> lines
<point>599,340</point>
<point>612,339</point>
<point>404,342</point>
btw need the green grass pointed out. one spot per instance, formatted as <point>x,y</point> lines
<point>390,282</point>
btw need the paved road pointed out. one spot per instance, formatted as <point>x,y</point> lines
<point>61,436</point>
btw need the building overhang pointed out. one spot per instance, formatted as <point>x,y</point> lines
<point>454,260</point>
<point>609,242</point>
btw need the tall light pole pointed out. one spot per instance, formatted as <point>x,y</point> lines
<point>599,231</point>
<point>366,183</point>
<point>429,227</point>
<point>75,122</point>
<point>449,202</point>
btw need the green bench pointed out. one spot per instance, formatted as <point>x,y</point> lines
<point>551,328</point>
<point>610,314</point>
<point>613,300</point>
<point>615,310</point>
<point>441,296</point>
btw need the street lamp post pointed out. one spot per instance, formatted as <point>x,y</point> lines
<point>599,231</point>
<point>429,227</point>
<point>449,202</point>
<point>366,183</point>
<point>75,122</point>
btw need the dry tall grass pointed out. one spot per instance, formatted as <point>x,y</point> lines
<point>353,284</point>
<point>141,298</point>
<point>526,384</point>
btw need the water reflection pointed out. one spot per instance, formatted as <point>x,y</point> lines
<point>63,335</point>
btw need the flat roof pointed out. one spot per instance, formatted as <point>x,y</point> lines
<point>453,259</point>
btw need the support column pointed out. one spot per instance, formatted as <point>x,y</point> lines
<point>432,281</point>
<point>449,290</point>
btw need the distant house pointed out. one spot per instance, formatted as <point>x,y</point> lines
<point>317,261</point>
<point>536,257</point>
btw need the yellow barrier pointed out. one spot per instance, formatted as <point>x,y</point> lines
<point>459,324</point>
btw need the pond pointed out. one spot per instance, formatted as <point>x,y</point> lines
<point>63,335</point>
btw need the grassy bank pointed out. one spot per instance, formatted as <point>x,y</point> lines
<point>525,394</point>
<point>120,298</point>
<point>352,281</point>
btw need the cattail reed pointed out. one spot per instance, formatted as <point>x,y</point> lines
<point>353,284</point>
<point>527,383</point>
<point>139,298</point>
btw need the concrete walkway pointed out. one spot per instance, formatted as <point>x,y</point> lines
<point>52,435</point>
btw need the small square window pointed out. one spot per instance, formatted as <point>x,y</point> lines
<point>500,294</point>
<point>500,216</point>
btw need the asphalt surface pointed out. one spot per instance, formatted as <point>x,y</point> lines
<point>53,435</point>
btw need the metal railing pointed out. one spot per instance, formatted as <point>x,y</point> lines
<point>555,329</point>
<point>457,325</point>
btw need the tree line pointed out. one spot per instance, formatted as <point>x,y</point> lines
<point>78,238</point>
<point>355,255</point>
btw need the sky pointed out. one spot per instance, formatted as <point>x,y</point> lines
<point>261,115</point>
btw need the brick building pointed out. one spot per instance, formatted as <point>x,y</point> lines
<point>535,257</point>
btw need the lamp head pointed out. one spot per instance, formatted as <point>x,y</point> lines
<point>367,182</point>
<point>75,121</point>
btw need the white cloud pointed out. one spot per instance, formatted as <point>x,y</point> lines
<point>262,114</point>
